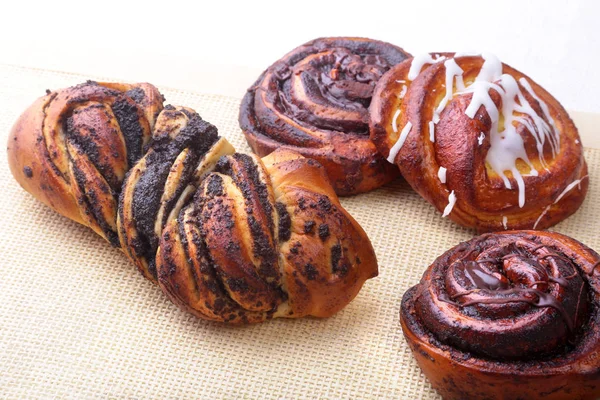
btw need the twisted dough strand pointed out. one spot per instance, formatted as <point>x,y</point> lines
<point>73,147</point>
<point>276,245</point>
<point>228,236</point>
<point>233,238</point>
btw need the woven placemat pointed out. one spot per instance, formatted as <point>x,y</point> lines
<point>78,321</point>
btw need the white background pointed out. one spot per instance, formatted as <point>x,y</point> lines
<point>221,46</point>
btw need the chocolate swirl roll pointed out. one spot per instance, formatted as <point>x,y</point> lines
<point>315,101</point>
<point>481,141</point>
<point>72,148</point>
<point>508,316</point>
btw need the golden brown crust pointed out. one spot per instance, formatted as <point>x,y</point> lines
<point>315,101</point>
<point>72,148</point>
<point>32,169</point>
<point>181,142</point>
<point>461,146</point>
<point>339,254</point>
<point>264,239</point>
<point>508,316</point>
<point>227,237</point>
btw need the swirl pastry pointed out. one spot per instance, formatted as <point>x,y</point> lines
<point>480,141</point>
<point>228,236</point>
<point>512,315</point>
<point>315,101</point>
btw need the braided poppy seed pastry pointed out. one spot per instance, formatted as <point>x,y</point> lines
<point>264,239</point>
<point>183,150</point>
<point>480,141</point>
<point>315,101</point>
<point>72,148</point>
<point>228,236</point>
<point>512,315</point>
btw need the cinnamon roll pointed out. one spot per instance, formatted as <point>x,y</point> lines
<point>482,142</point>
<point>315,101</point>
<point>512,315</point>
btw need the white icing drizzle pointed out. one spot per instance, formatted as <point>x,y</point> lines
<point>481,138</point>
<point>541,216</point>
<point>419,61</point>
<point>467,54</point>
<point>491,68</point>
<point>431,131</point>
<point>569,188</point>
<point>442,174</point>
<point>394,121</point>
<point>505,222</point>
<point>403,92</point>
<point>507,146</point>
<point>491,71</point>
<point>559,198</point>
<point>553,133</point>
<point>452,70</point>
<point>450,206</point>
<point>576,141</point>
<point>400,81</point>
<point>396,148</point>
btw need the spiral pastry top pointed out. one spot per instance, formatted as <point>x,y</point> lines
<point>228,236</point>
<point>509,315</point>
<point>72,148</point>
<point>480,141</point>
<point>315,100</point>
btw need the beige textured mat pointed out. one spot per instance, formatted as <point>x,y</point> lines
<point>78,321</point>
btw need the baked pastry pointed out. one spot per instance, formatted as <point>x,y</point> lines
<point>512,315</point>
<point>228,236</point>
<point>72,148</point>
<point>264,239</point>
<point>315,101</point>
<point>480,141</point>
